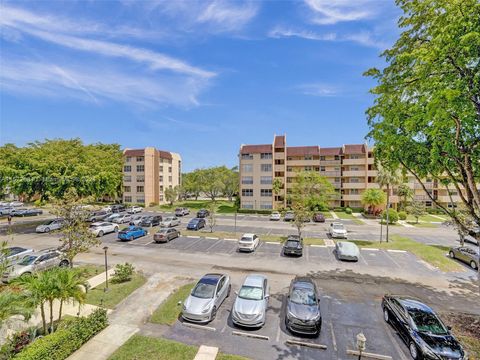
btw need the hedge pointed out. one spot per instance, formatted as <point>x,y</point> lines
<point>251,211</point>
<point>64,342</point>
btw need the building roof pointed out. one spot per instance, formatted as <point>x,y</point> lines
<point>256,149</point>
<point>164,154</point>
<point>279,141</point>
<point>330,151</point>
<point>354,149</point>
<point>133,152</point>
<point>302,150</point>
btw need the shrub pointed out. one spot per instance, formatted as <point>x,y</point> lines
<point>39,202</point>
<point>64,342</point>
<point>402,215</point>
<point>392,216</point>
<point>251,211</point>
<point>348,210</point>
<point>123,273</point>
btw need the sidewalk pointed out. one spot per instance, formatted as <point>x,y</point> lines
<point>129,316</point>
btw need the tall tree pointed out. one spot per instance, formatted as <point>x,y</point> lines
<point>192,183</point>
<point>416,209</point>
<point>171,195</point>
<point>387,178</point>
<point>405,193</point>
<point>373,198</point>
<point>213,181</point>
<point>231,182</point>
<point>36,291</point>
<point>70,287</point>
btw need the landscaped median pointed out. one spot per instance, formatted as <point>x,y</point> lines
<point>169,311</point>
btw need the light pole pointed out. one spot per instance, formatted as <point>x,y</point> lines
<point>361,340</point>
<point>106,269</point>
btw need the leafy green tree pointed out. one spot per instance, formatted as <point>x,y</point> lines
<point>212,215</point>
<point>231,182</point>
<point>388,179</point>
<point>426,113</point>
<point>36,290</point>
<point>416,209</point>
<point>15,303</point>
<point>405,193</point>
<point>171,195</point>
<point>192,184</point>
<point>213,181</point>
<point>71,287</point>
<point>373,198</point>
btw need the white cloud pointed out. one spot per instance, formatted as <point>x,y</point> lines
<point>326,12</point>
<point>319,89</point>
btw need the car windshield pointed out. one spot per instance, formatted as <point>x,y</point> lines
<point>427,322</point>
<point>250,293</point>
<point>49,222</point>
<point>246,239</point>
<point>193,221</point>
<point>338,227</point>
<point>204,290</point>
<point>169,219</point>
<point>127,229</point>
<point>178,209</point>
<point>292,243</point>
<point>303,296</point>
<point>27,260</point>
<point>13,251</point>
<point>94,226</point>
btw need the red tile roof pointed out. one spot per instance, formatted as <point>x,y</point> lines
<point>134,152</point>
<point>330,151</point>
<point>256,149</point>
<point>302,150</point>
<point>279,141</point>
<point>164,154</point>
<point>354,149</point>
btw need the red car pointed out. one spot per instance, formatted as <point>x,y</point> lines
<point>319,217</point>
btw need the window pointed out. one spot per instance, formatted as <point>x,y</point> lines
<point>265,155</point>
<point>127,189</point>
<point>354,156</point>
<point>161,168</point>
<point>170,179</point>
<point>128,159</point>
<point>322,168</point>
<point>161,187</point>
<point>308,157</point>
<point>140,158</point>
<point>289,180</point>
<point>337,180</point>
<point>247,157</point>
<point>169,169</point>
<point>428,204</point>
<point>322,158</point>
<point>127,178</point>
<point>337,157</point>
<point>289,168</point>
<point>141,200</point>
<point>354,180</point>
<point>247,192</point>
<point>265,180</point>
<point>161,197</point>
<point>265,205</point>
<point>265,167</point>
<point>247,205</point>
<point>127,168</point>
<point>247,168</point>
<point>308,168</point>
<point>140,168</point>
<point>140,178</point>
<point>354,168</point>
<point>161,178</point>
<point>127,199</point>
<point>140,188</point>
<point>266,192</point>
<point>279,161</point>
<point>354,191</point>
<point>247,180</point>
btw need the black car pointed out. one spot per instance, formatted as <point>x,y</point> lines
<point>196,224</point>
<point>303,314</point>
<point>118,208</point>
<point>203,213</point>
<point>293,245</point>
<point>26,212</point>
<point>98,216</point>
<point>149,221</point>
<point>420,328</point>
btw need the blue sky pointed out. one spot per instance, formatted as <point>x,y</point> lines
<point>195,77</point>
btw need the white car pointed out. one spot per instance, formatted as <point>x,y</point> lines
<point>16,203</point>
<point>122,219</point>
<point>50,225</point>
<point>337,230</point>
<point>112,217</point>
<point>137,219</point>
<point>275,216</point>
<point>134,210</point>
<point>248,242</point>
<point>170,221</point>
<point>107,209</point>
<point>102,228</point>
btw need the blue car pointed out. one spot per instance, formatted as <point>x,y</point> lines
<point>196,224</point>
<point>131,233</point>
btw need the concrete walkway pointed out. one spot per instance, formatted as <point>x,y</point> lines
<point>334,216</point>
<point>129,315</point>
<point>206,353</point>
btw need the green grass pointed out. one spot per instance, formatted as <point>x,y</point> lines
<point>422,225</point>
<point>224,207</point>
<point>89,271</point>
<point>145,348</point>
<point>434,255</point>
<point>168,312</point>
<point>427,218</point>
<point>116,292</point>
<point>327,214</point>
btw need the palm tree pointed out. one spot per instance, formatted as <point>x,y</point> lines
<point>70,286</point>
<point>15,303</point>
<point>387,178</point>
<point>404,192</point>
<point>373,198</point>
<point>34,287</point>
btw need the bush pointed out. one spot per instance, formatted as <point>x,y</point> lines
<point>123,273</point>
<point>251,211</point>
<point>402,215</point>
<point>39,203</point>
<point>338,209</point>
<point>64,342</point>
<point>348,210</point>
<point>392,216</point>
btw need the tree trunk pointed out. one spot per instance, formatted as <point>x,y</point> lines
<point>60,310</point>
<point>388,211</point>
<point>44,320</point>
<point>50,302</point>
<point>462,238</point>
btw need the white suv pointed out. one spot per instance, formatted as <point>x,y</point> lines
<point>337,230</point>
<point>248,242</point>
<point>102,228</point>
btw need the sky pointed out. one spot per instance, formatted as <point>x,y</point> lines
<point>195,77</point>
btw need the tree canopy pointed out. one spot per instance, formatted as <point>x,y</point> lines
<point>213,182</point>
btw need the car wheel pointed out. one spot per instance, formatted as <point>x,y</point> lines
<point>100,233</point>
<point>229,290</point>
<point>386,315</point>
<point>214,313</point>
<point>63,263</point>
<point>452,254</point>
<point>473,265</point>
<point>413,350</point>
<point>47,230</point>
<point>132,238</point>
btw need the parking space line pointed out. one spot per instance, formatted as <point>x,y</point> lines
<point>231,239</point>
<point>369,355</point>
<point>150,242</point>
<point>394,342</point>
<point>211,238</point>
<point>250,335</point>
<point>392,259</point>
<point>193,243</point>
<point>319,246</point>
<point>307,344</point>
<point>334,340</point>
<point>370,249</point>
<point>278,334</point>
<point>396,251</point>
<point>196,326</point>
<point>272,242</point>
<point>193,237</point>
<point>211,246</point>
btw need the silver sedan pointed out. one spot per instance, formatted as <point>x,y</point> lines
<point>251,304</point>
<point>346,250</point>
<point>467,255</point>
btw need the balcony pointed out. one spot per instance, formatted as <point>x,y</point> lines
<point>278,167</point>
<point>354,161</point>
<point>330,162</point>
<point>331,173</point>
<point>446,198</point>
<point>419,186</point>
<point>373,186</point>
<point>337,185</point>
<point>352,197</point>
<point>303,162</point>
<point>359,185</point>
<point>370,160</point>
<point>372,173</point>
<point>354,173</point>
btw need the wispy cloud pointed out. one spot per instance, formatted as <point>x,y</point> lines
<point>318,89</point>
<point>326,12</point>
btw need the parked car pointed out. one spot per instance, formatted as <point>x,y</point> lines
<point>134,210</point>
<point>151,220</point>
<point>289,216</point>
<point>182,211</point>
<point>465,254</point>
<point>34,262</point>
<point>319,217</point>
<point>98,216</point>
<point>122,219</point>
<point>26,212</point>
<point>102,228</point>
<point>131,233</point>
<point>165,235</point>
<point>16,203</point>
<point>251,303</point>
<point>206,298</point>
<point>4,203</point>
<point>203,213</point>
<point>112,217</point>
<point>107,209</point>
<point>196,224</point>
<point>14,254</point>
<point>293,245</point>
<point>248,242</point>
<point>50,225</point>
<point>347,250</point>
<point>137,219</point>
<point>6,210</point>
<point>118,208</point>
<point>275,216</point>
<point>170,221</point>
<point>337,230</point>
<point>473,236</point>
<point>303,314</point>
<point>420,328</point>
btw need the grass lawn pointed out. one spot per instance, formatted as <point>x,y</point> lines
<point>327,214</point>
<point>89,271</point>
<point>145,348</point>
<point>427,218</point>
<point>344,216</point>
<point>168,312</point>
<point>434,255</point>
<point>422,225</point>
<point>116,292</point>
<point>224,207</point>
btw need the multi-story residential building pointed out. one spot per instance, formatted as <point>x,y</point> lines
<point>147,173</point>
<point>350,169</point>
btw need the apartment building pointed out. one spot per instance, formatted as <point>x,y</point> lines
<point>349,168</point>
<point>147,173</point>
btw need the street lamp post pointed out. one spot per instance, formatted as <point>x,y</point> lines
<point>361,340</point>
<point>106,269</point>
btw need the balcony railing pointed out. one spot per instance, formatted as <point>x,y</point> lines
<point>352,185</point>
<point>354,161</point>
<point>331,173</point>
<point>330,162</point>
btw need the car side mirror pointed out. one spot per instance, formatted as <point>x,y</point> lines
<point>449,328</point>
<point>267,296</point>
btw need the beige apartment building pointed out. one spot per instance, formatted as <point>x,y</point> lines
<point>350,169</point>
<point>147,173</point>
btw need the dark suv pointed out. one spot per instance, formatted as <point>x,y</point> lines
<point>293,245</point>
<point>203,213</point>
<point>150,221</point>
<point>319,217</point>
<point>118,208</point>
